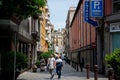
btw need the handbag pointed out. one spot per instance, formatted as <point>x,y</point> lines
<point>51,67</point>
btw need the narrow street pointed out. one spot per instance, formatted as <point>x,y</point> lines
<point>68,73</point>
<point>85,33</point>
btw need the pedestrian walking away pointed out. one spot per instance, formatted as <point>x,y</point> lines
<point>51,65</point>
<point>59,64</point>
<point>66,59</point>
<point>81,63</point>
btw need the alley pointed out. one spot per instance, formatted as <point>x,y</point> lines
<point>68,73</point>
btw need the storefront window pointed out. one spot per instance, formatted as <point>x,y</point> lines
<point>116,6</point>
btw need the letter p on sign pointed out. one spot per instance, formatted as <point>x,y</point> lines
<point>96,5</point>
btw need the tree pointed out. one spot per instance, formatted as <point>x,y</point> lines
<point>20,9</point>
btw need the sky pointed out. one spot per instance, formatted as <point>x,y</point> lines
<point>58,11</point>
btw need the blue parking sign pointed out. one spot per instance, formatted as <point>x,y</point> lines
<point>96,8</point>
<point>86,14</point>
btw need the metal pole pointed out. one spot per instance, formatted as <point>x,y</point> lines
<point>88,68</point>
<point>96,72</point>
<point>15,57</point>
<point>110,74</point>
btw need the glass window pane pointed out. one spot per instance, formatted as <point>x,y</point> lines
<point>116,6</point>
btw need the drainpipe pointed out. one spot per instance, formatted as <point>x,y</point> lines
<point>14,55</point>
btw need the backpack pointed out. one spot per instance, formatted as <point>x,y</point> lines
<point>60,64</point>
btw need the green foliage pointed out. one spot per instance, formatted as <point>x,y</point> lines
<point>45,55</point>
<point>8,61</point>
<point>37,63</point>
<point>49,45</point>
<point>21,60</point>
<point>113,60</point>
<point>21,8</point>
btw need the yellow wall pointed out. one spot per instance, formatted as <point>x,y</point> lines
<point>43,42</point>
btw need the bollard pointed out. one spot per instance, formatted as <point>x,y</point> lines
<point>88,68</point>
<point>95,72</point>
<point>110,73</point>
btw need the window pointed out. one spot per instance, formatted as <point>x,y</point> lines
<point>116,6</point>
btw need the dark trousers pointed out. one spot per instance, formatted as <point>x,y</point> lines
<point>81,67</point>
<point>58,71</point>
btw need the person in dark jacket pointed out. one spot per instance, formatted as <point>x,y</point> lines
<point>59,64</point>
<point>81,63</point>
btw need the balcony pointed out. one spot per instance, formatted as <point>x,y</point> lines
<point>46,38</point>
<point>35,35</point>
<point>47,18</point>
<point>48,31</point>
<point>41,17</point>
<point>46,28</point>
<point>48,14</point>
<point>46,8</point>
<point>8,24</point>
<point>48,23</point>
<point>21,30</point>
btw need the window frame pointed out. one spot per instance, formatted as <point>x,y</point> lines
<point>118,11</point>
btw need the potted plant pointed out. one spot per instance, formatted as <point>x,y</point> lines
<point>7,66</point>
<point>113,61</point>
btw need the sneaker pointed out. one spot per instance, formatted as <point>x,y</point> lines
<point>52,76</point>
<point>58,77</point>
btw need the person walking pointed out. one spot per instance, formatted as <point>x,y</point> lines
<point>51,65</point>
<point>42,64</point>
<point>66,59</point>
<point>59,64</point>
<point>81,63</point>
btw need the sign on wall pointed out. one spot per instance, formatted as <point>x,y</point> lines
<point>115,27</point>
<point>96,8</point>
<point>86,10</point>
<point>86,13</point>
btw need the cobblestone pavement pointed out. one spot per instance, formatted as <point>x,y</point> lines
<point>68,73</point>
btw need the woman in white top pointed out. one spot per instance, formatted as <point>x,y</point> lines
<point>59,65</point>
<point>51,63</point>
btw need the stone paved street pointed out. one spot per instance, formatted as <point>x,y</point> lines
<point>68,73</point>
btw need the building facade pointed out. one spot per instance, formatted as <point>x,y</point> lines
<point>70,15</point>
<point>21,38</point>
<point>91,42</point>
<point>112,23</point>
<point>111,26</point>
<point>43,44</point>
<point>58,41</point>
<point>82,39</point>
